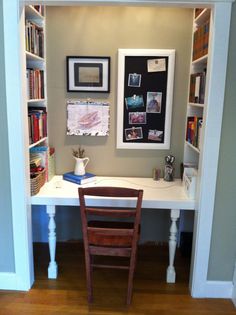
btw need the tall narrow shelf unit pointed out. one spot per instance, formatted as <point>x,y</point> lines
<point>196,103</point>
<point>36,90</point>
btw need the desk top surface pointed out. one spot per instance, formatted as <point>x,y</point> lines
<point>157,194</point>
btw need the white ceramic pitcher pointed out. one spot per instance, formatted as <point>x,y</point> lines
<point>80,164</point>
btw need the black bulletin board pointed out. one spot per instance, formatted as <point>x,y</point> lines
<point>150,82</point>
<point>145,99</point>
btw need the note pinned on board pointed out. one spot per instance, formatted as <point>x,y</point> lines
<point>156,65</point>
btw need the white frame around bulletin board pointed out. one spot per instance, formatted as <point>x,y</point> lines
<point>154,54</point>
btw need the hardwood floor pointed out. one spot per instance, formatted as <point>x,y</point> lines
<point>68,295</point>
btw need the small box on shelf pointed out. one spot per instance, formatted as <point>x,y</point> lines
<point>189,180</point>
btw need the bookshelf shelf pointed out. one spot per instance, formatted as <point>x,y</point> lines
<point>202,60</point>
<point>192,147</point>
<point>203,16</point>
<point>32,57</point>
<point>196,105</point>
<point>33,14</point>
<point>37,100</point>
<point>38,142</point>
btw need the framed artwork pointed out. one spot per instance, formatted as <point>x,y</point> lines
<point>144,98</point>
<point>88,118</point>
<point>88,74</point>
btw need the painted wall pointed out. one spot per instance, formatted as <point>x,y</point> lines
<point>100,31</point>
<point>6,237</point>
<point>223,248</point>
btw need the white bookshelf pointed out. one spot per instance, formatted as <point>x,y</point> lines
<point>36,61</point>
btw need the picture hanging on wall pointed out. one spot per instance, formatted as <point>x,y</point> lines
<point>144,98</point>
<point>85,118</point>
<point>88,74</point>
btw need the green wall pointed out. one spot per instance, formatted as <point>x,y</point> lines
<point>6,236</point>
<point>100,31</point>
<point>223,245</point>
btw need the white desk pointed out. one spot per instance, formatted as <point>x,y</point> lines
<point>157,195</point>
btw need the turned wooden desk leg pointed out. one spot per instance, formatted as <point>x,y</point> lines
<point>52,268</point>
<point>174,215</point>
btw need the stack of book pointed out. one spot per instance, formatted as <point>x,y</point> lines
<point>80,180</point>
<point>200,40</point>
<point>194,131</point>
<point>34,39</point>
<point>197,87</point>
<point>35,83</point>
<point>37,122</point>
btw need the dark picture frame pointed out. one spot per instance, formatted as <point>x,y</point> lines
<point>88,74</point>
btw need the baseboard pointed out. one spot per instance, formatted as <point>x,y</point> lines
<point>219,289</point>
<point>234,295</point>
<point>8,281</point>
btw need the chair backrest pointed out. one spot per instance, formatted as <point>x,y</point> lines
<point>103,232</point>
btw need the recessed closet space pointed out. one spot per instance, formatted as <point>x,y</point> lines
<point>101,31</point>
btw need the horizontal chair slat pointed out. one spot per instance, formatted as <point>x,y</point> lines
<point>109,231</point>
<point>111,212</point>
<point>106,251</point>
<point>111,192</point>
<point>110,266</point>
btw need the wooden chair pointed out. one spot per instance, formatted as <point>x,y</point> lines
<point>109,236</point>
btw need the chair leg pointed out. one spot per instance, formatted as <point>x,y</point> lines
<point>89,277</point>
<point>131,277</point>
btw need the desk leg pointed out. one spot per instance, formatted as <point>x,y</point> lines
<point>174,215</point>
<point>52,268</point>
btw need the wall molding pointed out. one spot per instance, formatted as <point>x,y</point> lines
<point>8,281</point>
<point>218,289</point>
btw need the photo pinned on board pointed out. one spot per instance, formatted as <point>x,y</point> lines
<point>155,135</point>
<point>154,102</point>
<point>134,80</point>
<point>137,118</point>
<point>134,133</point>
<point>134,101</point>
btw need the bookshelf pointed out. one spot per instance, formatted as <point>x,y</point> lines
<point>36,96</point>
<point>196,103</point>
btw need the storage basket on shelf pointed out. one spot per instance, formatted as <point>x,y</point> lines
<point>37,180</point>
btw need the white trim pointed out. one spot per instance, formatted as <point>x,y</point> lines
<point>8,281</point>
<point>209,159</point>
<point>217,289</point>
<point>186,3</point>
<point>23,256</point>
<point>20,214</point>
<point>234,295</point>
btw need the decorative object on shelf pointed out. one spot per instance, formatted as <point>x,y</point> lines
<point>145,92</point>
<point>88,118</point>
<point>169,168</point>
<point>88,74</point>
<point>80,161</point>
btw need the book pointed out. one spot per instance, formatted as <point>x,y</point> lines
<point>80,180</point>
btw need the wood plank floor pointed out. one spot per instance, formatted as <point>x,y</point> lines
<point>151,295</point>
